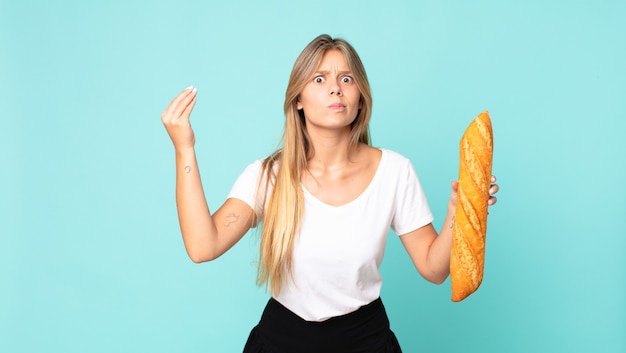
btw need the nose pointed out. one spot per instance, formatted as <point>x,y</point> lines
<point>335,89</point>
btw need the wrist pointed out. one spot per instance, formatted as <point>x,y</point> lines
<point>186,151</point>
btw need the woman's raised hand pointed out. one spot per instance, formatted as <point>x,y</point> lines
<point>176,118</point>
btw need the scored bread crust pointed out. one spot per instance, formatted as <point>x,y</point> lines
<point>467,257</point>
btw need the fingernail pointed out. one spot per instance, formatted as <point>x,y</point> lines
<point>188,88</point>
<point>194,90</point>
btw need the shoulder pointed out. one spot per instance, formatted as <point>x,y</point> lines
<point>375,154</point>
<point>260,164</point>
<point>253,171</point>
<point>394,159</point>
<point>395,166</point>
<point>254,167</point>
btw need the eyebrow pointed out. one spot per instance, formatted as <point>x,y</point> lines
<point>325,72</point>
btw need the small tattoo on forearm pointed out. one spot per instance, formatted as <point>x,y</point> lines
<point>187,169</point>
<point>231,218</point>
<point>452,222</point>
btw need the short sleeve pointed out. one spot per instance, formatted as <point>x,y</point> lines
<point>246,188</point>
<point>411,207</point>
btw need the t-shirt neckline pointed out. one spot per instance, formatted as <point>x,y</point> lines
<point>363,194</point>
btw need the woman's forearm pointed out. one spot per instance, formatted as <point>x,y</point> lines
<point>439,252</point>
<point>196,224</point>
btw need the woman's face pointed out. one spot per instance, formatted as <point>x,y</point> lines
<point>331,99</point>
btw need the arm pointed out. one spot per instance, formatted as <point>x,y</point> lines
<point>429,251</point>
<point>206,236</point>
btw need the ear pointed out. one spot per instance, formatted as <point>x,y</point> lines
<point>298,105</point>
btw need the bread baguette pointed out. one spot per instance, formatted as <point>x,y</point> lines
<point>467,257</point>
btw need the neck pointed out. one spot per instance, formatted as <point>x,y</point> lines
<point>331,148</point>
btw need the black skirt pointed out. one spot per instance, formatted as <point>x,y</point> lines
<point>364,331</point>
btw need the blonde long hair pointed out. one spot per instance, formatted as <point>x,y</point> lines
<point>284,168</point>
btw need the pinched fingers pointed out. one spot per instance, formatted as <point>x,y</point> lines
<point>190,106</point>
<point>180,107</point>
<point>175,118</point>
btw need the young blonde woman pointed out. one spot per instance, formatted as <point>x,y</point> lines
<point>325,202</point>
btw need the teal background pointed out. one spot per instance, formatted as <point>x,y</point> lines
<point>91,258</point>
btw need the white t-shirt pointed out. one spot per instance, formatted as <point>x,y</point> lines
<point>339,249</point>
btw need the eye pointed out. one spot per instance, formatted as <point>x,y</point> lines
<point>318,79</point>
<point>347,79</point>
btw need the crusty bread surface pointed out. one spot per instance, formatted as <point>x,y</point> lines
<point>467,257</point>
